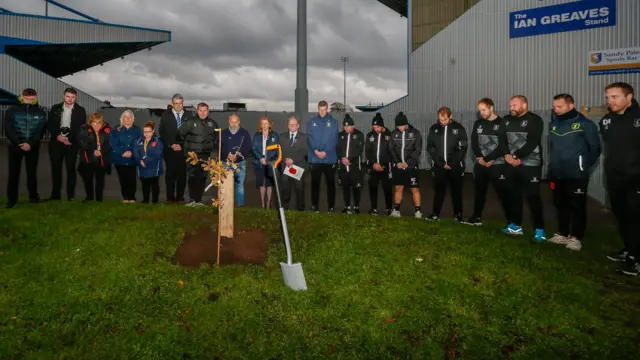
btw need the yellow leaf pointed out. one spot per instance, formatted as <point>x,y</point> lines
<point>181,283</point>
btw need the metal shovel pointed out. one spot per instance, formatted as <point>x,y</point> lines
<point>292,273</point>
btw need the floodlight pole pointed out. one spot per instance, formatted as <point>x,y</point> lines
<point>345,60</point>
<point>301,92</point>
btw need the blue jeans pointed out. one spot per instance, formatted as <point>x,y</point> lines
<point>238,179</point>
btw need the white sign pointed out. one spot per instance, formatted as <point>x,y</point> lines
<point>294,171</point>
<point>614,61</point>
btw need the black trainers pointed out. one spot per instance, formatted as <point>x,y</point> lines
<point>356,210</point>
<point>631,268</point>
<point>432,217</point>
<point>314,209</point>
<point>458,218</point>
<point>388,212</point>
<point>331,210</point>
<point>619,256</point>
<point>347,210</point>
<point>473,221</point>
<point>373,212</point>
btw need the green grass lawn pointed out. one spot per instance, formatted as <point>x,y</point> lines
<point>84,282</point>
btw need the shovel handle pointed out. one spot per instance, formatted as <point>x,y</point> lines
<point>274,147</point>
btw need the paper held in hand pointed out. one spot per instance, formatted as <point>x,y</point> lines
<point>293,171</point>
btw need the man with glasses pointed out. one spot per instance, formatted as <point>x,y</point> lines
<point>174,156</point>
<point>294,150</point>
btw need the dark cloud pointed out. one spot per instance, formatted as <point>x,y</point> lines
<point>230,50</point>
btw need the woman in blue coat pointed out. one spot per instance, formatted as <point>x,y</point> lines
<point>122,140</point>
<point>148,153</point>
<point>261,158</point>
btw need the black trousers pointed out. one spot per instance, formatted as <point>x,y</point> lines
<point>289,183</point>
<point>15,166</point>
<point>482,177</point>
<point>128,182</point>
<point>525,181</point>
<point>59,153</point>
<point>443,178</point>
<point>624,196</point>
<point>197,180</point>
<point>329,171</point>
<point>383,178</point>
<point>351,183</point>
<point>176,174</point>
<point>93,178</point>
<point>150,185</point>
<point>570,200</point>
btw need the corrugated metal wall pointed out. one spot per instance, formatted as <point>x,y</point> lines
<point>53,30</point>
<point>474,57</point>
<point>16,76</point>
<point>402,104</point>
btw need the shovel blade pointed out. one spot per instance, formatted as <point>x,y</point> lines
<point>293,276</point>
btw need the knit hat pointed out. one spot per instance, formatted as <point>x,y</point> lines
<point>348,121</point>
<point>377,120</point>
<point>401,119</point>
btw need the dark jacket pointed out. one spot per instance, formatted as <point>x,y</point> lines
<point>122,140</point>
<point>78,118</point>
<point>524,138</point>
<point>574,146</point>
<point>152,157</point>
<point>621,136</point>
<point>350,146</point>
<point>25,124</point>
<point>168,128</point>
<point>88,143</point>
<point>256,148</point>
<point>377,148</point>
<point>447,145</point>
<point>296,152</point>
<point>198,136</point>
<point>240,142</point>
<point>488,140</point>
<point>322,135</point>
<point>406,146</point>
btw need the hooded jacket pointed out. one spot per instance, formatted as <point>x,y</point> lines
<point>377,148</point>
<point>406,146</point>
<point>152,156</point>
<point>25,123</point>
<point>351,146</point>
<point>447,145</point>
<point>322,135</point>
<point>89,141</point>
<point>621,136</point>
<point>574,146</point>
<point>524,138</point>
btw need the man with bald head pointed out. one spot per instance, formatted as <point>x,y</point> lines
<point>524,165</point>
<point>236,145</point>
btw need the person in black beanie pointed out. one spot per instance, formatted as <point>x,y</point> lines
<point>349,149</point>
<point>405,147</point>
<point>378,159</point>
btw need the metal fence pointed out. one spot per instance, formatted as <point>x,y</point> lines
<point>421,121</point>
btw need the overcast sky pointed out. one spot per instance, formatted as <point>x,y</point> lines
<point>245,51</point>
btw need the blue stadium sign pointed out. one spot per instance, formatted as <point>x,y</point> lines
<point>581,15</point>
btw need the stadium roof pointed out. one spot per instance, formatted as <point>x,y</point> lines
<point>399,6</point>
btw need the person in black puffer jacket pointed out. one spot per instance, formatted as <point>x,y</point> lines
<point>199,136</point>
<point>94,142</point>
<point>349,149</point>
<point>378,158</point>
<point>405,147</point>
<point>25,125</point>
<point>447,146</point>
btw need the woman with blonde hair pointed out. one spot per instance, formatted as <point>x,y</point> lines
<point>263,157</point>
<point>148,153</point>
<point>95,155</point>
<point>123,139</point>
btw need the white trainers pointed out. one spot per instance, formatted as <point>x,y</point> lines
<point>559,239</point>
<point>574,244</point>
<point>418,215</point>
<point>395,213</point>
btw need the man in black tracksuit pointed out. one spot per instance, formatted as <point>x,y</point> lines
<point>174,155</point>
<point>447,147</point>
<point>621,135</point>
<point>524,135</point>
<point>65,120</point>
<point>489,145</point>
<point>574,149</point>
<point>349,149</point>
<point>405,147</point>
<point>198,135</point>
<point>25,124</point>
<point>378,160</point>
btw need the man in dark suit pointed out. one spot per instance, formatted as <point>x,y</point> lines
<point>294,150</point>
<point>174,156</point>
<point>65,120</point>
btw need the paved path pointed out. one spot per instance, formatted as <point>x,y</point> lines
<point>596,212</point>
